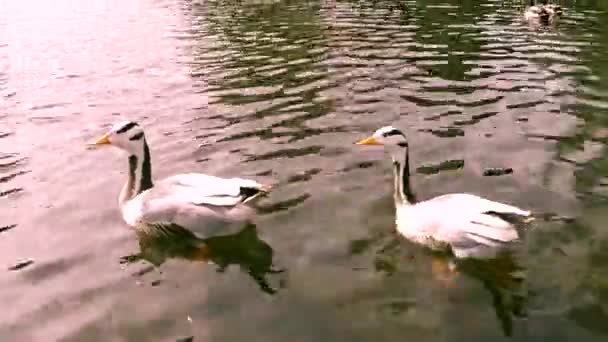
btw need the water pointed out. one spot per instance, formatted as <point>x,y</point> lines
<point>278,91</point>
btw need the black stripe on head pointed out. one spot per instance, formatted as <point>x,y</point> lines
<point>137,136</point>
<point>393,132</point>
<point>402,144</point>
<point>127,127</point>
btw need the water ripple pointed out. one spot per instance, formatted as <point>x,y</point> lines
<point>279,91</point>
<point>292,86</point>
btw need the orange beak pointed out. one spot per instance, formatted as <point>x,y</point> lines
<point>104,140</point>
<point>368,141</point>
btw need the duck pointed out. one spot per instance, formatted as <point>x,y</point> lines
<point>463,224</point>
<point>544,11</point>
<point>200,203</point>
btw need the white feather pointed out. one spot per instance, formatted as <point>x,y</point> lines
<point>204,189</point>
<point>461,221</point>
<point>198,202</point>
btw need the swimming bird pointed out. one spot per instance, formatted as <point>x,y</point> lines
<point>544,11</point>
<point>196,202</point>
<point>466,224</point>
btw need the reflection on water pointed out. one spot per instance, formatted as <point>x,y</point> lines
<point>278,91</point>
<point>244,249</point>
<point>502,275</point>
<point>502,278</point>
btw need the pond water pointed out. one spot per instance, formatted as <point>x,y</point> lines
<point>278,91</point>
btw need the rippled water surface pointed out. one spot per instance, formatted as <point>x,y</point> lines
<point>278,91</point>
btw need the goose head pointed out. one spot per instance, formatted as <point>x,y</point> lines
<point>127,136</point>
<point>393,140</point>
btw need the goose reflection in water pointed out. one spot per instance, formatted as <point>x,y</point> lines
<point>245,248</point>
<point>502,276</point>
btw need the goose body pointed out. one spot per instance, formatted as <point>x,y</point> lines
<point>466,224</point>
<point>474,223</point>
<point>197,202</point>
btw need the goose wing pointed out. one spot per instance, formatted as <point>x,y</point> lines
<point>478,219</point>
<point>201,189</point>
<point>469,203</point>
<point>480,236</point>
<point>200,203</point>
<point>466,222</point>
<point>488,230</point>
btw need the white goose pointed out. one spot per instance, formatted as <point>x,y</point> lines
<point>469,225</point>
<point>199,203</point>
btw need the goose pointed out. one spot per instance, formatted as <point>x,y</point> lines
<point>465,224</point>
<point>196,202</point>
<point>545,11</point>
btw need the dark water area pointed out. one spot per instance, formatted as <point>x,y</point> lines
<point>279,91</point>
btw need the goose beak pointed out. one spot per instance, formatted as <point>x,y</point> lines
<point>104,140</point>
<point>368,141</point>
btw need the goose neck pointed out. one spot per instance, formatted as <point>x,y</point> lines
<point>140,175</point>
<point>403,194</point>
